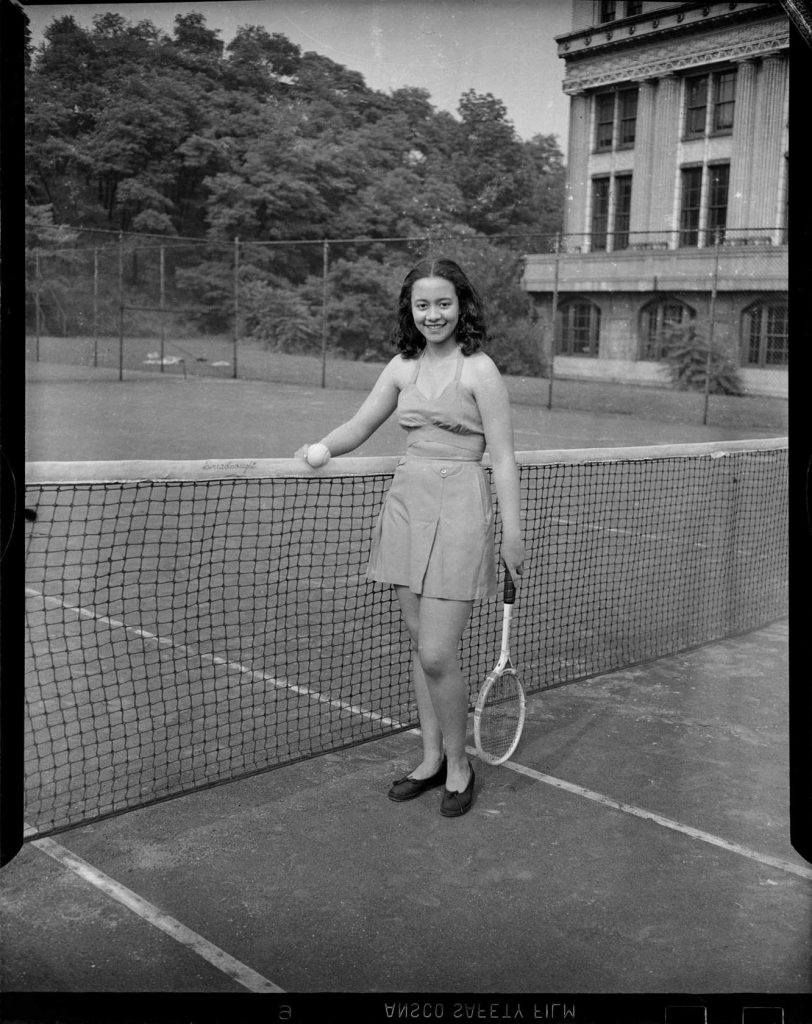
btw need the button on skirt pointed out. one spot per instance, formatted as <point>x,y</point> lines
<point>435,533</point>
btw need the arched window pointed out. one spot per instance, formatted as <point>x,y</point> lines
<point>765,333</point>
<point>579,325</point>
<point>657,320</point>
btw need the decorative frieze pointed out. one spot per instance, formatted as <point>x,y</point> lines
<point>654,61</point>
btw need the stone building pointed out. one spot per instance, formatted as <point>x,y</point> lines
<point>676,190</point>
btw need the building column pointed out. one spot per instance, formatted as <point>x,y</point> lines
<point>664,147</point>
<point>779,218</point>
<point>643,156</point>
<point>741,197</point>
<point>767,137</point>
<point>578,147</point>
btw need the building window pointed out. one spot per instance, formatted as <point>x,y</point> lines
<point>627,104</point>
<point>690,205</point>
<point>696,105</point>
<point>600,212</point>
<point>607,11</point>
<point>604,120</point>
<point>634,8</point>
<point>709,104</point>
<point>766,333</point>
<point>579,323</point>
<point>615,119</point>
<point>659,320</point>
<point>718,181</point>
<point>703,204</point>
<point>623,209</point>
<point>611,212</point>
<point>723,101</point>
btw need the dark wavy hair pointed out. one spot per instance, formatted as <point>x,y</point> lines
<point>472,334</point>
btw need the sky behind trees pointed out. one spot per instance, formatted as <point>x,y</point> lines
<point>505,47</point>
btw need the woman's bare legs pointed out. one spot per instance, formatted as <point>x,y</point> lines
<point>436,626</point>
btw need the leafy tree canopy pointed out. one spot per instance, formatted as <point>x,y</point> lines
<point>179,135</point>
<point>128,126</point>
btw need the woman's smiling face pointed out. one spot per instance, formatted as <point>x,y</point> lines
<point>435,308</point>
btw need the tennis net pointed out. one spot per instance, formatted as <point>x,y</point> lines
<point>191,624</point>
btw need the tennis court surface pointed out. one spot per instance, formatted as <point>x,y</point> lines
<point>191,626</point>
<point>637,843</point>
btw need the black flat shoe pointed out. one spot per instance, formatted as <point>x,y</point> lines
<point>454,804</point>
<point>408,789</point>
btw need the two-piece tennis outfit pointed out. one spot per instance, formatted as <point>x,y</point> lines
<point>435,533</point>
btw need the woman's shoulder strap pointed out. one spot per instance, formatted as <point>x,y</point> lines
<point>418,362</point>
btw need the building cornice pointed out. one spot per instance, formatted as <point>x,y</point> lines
<point>657,56</point>
<point>675,20</point>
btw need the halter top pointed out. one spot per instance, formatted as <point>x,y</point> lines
<point>448,426</point>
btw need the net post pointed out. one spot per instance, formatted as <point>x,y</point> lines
<point>236,305</point>
<point>121,305</point>
<point>324,266</point>
<point>554,320</point>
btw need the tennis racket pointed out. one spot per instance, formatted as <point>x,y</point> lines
<point>500,707</point>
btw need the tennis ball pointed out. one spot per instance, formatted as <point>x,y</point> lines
<point>317,455</point>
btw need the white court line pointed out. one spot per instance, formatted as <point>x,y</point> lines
<point>638,812</point>
<point>214,659</point>
<point>255,982</point>
<point>217,957</point>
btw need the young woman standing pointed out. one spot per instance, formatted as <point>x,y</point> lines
<point>434,542</point>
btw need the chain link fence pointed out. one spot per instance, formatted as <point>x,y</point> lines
<point>141,304</point>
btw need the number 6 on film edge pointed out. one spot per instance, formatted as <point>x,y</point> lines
<point>500,708</point>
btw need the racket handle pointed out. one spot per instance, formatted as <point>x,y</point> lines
<point>510,588</point>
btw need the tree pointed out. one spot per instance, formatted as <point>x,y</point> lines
<point>543,208</point>
<point>362,296</point>
<point>489,165</point>
<point>180,135</point>
<point>281,318</point>
<point>192,36</point>
<point>41,232</point>
<point>694,365</point>
<point>261,61</point>
<point>273,189</point>
<point>48,288</point>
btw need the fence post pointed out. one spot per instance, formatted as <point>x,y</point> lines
<point>96,307</point>
<point>554,320</point>
<point>121,305</point>
<point>37,285</point>
<point>324,261</point>
<point>714,289</point>
<point>162,303</point>
<point>236,305</point>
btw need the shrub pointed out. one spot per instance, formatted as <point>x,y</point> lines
<point>363,298</point>
<point>281,318</point>
<point>686,358</point>
<point>517,349</point>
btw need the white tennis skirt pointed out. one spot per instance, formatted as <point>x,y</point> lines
<point>435,533</point>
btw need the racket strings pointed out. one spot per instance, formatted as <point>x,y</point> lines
<point>500,716</point>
